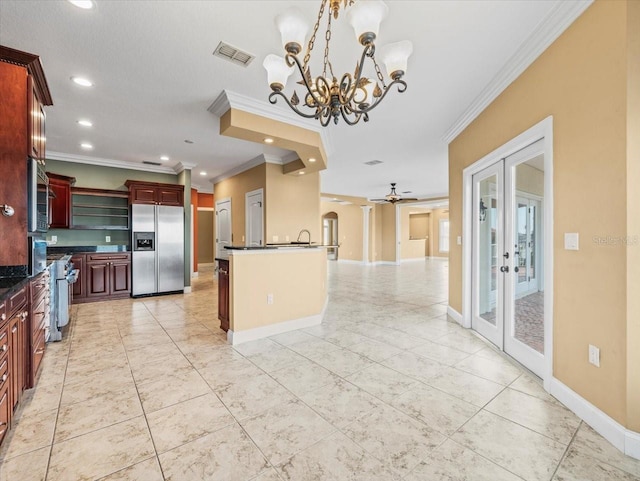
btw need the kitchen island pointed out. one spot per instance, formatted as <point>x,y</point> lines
<point>274,289</point>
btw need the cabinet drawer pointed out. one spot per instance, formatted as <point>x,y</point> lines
<point>4,372</point>
<point>5,410</point>
<point>37,354</point>
<point>3,312</point>
<point>108,257</point>
<point>16,301</point>
<point>39,287</point>
<point>4,341</point>
<point>38,315</point>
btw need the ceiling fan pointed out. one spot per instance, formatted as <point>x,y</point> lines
<point>393,197</point>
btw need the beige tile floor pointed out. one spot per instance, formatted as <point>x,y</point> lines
<point>385,389</point>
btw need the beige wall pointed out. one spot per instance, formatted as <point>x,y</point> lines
<point>292,203</point>
<point>419,225</point>
<point>235,188</point>
<point>205,236</point>
<point>388,232</point>
<point>581,80</point>
<point>350,225</point>
<point>255,275</point>
<point>413,248</point>
<point>633,217</point>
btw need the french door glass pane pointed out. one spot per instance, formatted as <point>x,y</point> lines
<point>528,313</point>
<point>488,254</point>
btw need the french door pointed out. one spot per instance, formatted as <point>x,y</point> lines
<point>507,255</point>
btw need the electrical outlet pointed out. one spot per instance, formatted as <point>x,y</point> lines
<point>269,298</point>
<point>594,355</point>
<point>286,238</point>
<point>107,238</point>
<point>54,239</point>
<point>275,238</point>
<point>242,238</point>
<point>459,240</point>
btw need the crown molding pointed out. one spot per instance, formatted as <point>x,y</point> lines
<point>563,14</point>
<point>201,189</point>
<point>116,164</point>
<point>228,99</point>
<point>180,166</point>
<point>260,159</point>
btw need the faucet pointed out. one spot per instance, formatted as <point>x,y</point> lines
<point>302,232</point>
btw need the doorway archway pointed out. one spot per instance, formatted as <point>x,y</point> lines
<point>330,234</point>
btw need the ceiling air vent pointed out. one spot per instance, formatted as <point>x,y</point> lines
<point>148,162</point>
<point>373,162</point>
<point>233,54</point>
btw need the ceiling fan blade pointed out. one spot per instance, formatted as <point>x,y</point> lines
<point>378,200</point>
<point>407,199</point>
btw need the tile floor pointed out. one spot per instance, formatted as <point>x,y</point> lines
<point>385,389</point>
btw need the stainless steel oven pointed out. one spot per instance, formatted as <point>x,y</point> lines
<point>38,201</point>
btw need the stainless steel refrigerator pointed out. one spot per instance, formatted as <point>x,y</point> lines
<point>157,262</point>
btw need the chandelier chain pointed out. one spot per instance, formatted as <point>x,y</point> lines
<point>312,40</point>
<point>378,72</point>
<point>327,37</point>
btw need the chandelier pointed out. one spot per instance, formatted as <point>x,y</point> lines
<point>354,95</point>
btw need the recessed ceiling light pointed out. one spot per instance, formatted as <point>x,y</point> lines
<point>301,172</point>
<point>312,159</point>
<point>188,141</point>
<point>203,173</point>
<point>164,158</point>
<point>82,81</point>
<point>268,140</point>
<point>85,123</point>
<point>86,4</point>
<point>86,145</point>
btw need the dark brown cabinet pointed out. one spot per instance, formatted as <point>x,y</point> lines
<point>155,193</point>
<point>60,200</point>
<point>79,287</point>
<point>38,314</point>
<point>23,93</point>
<point>223,293</point>
<point>24,314</point>
<point>107,276</point>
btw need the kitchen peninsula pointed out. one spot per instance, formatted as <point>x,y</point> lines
<point>272,289</point>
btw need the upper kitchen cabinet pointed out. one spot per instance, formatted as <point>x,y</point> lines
<point>155,193</point>
<point>60,200</point>
<point>23,93</point>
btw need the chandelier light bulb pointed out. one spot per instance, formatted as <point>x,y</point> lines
<point>277,72</point>
<point>365,17</point>
<point>333,96</point>
<point>395,57</point>
<point>293,29</point>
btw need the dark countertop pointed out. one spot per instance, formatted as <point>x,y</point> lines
<point>284,245</point>
<point>11,284</point>
<point>57,249</point>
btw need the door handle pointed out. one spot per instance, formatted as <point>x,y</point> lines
<point>505,255</point>
<point>504,268</point>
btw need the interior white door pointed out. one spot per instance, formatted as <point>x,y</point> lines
<point>487,255</point>
<point>223,227</point>
<point>507,255</point>
<point>254,215</point>
<point>524,315</point>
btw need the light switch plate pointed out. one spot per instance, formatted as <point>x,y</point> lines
<point>594,355</point>
<point>571,241</point>
<point>459,240</point>
<point>107,238</point>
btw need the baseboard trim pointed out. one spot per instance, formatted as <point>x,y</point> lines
<point>187,289</point>
<point>414,259</point>
<point>455,315</point>
<point>254,334</point>
<point>622,438</point>
<point>350,261</point>
<point>384,263</point>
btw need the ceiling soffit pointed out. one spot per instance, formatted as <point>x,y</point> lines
<point>247,119</point>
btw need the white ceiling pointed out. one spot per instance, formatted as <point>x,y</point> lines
<point>155,77</point>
